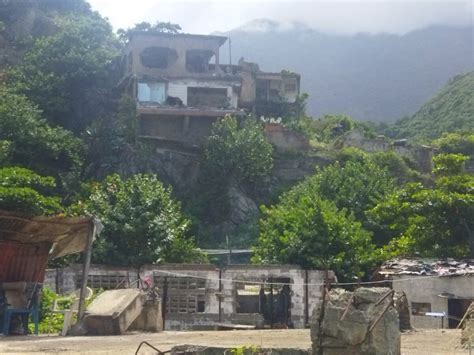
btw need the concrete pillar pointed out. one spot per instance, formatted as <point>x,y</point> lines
<point>186,125</point>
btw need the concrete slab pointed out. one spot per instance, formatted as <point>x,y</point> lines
<point>113,311</point>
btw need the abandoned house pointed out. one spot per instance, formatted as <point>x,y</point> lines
<point>181,87</point>
<point>203,296</point>
<point>438,291</point>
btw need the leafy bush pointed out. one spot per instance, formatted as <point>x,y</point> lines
<point>431,222</point>
<point>233,155</point>
<point>309,231</point>
<point>456,143</point>
<point>24,191</point>
<point>142,222</point>
<point>31,141</point>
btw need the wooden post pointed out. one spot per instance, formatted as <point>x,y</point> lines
<point>85,271</point>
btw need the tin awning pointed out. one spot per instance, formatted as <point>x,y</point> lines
<point>67,235</point>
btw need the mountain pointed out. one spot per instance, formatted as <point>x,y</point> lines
<point>380,77</point>
<point>450,110</point>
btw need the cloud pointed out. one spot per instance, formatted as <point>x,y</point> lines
<point>349,16</point>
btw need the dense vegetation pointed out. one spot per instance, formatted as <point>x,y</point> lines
<point>69,144</point>
<point>451,110</point>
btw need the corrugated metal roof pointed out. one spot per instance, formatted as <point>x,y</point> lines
<point>26,243</point>
<point>23,262</point>
<point>422,267</point>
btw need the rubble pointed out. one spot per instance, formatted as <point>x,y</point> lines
<point>361,322</point>
<point>245,350</point>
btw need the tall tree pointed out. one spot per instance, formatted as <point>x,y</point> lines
<point>67,74</point>
<point>30,142</point>
<point>311,232</point>
<point>435,222</point>
<point>142,222</point>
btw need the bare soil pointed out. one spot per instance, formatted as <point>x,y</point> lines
<point>427,342</point>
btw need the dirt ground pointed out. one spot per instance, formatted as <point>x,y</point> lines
<point>420,342</point>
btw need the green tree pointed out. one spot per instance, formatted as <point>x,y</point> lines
<point>31,142</point>
<point>22,190</point>
<point>234,154</point>
<point>142,222</point>
<point>113,144</point>
<point>458,142</point>
<point>67,74</point>
<point>356,185</point>
<point>306,230</point>
<point>431,222</point>
<point>158,27</point>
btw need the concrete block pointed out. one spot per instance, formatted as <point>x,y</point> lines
<point>112,312</point>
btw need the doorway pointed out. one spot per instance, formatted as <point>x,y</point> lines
<point>457,307</point>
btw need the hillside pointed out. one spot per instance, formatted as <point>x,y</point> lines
<point>450,110</point>
<point>380,77</point>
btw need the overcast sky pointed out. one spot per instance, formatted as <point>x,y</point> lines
<point>350,16</point>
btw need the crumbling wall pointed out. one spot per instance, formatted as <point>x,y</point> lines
<point>360,322</point>
<point>421,155</point>
<point>285,139</point>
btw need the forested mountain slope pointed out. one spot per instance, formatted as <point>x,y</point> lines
<point>381,77</point>
<point>450,110</point>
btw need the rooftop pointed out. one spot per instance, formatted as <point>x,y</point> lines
<point>428,267</point>
<point>220,39</point>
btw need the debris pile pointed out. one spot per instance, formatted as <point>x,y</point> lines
<point>428,267</point>
<point>361,322</point>
<point>245,350</point>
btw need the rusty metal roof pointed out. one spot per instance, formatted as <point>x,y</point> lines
<point>68,235</point>
<point>27,243</point>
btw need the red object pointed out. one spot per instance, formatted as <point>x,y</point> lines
<point>23,262</point>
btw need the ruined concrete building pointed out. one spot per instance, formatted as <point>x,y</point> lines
<point>182,88</point>
<point>438,292</point>
<point>197,297</point>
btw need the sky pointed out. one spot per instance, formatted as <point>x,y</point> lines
<point>344,17</point>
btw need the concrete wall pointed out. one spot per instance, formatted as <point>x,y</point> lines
<point>179,43</point>
<point>68,279</point>
<point>303,299</point>
<point>422,156</point>
<point>285,139</point>
<point>174,128</point>
<point>427,289</point>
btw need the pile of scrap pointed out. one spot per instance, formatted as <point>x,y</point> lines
<point>361,322</point>
<point>114,312</point>
<point>427,267</point>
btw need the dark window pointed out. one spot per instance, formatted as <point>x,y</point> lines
<point>208,97</point>
<point>158,57</point>
<point>418,308</point>
<point>197,60</point>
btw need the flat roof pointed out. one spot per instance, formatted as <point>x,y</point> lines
<point>220,39</point>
